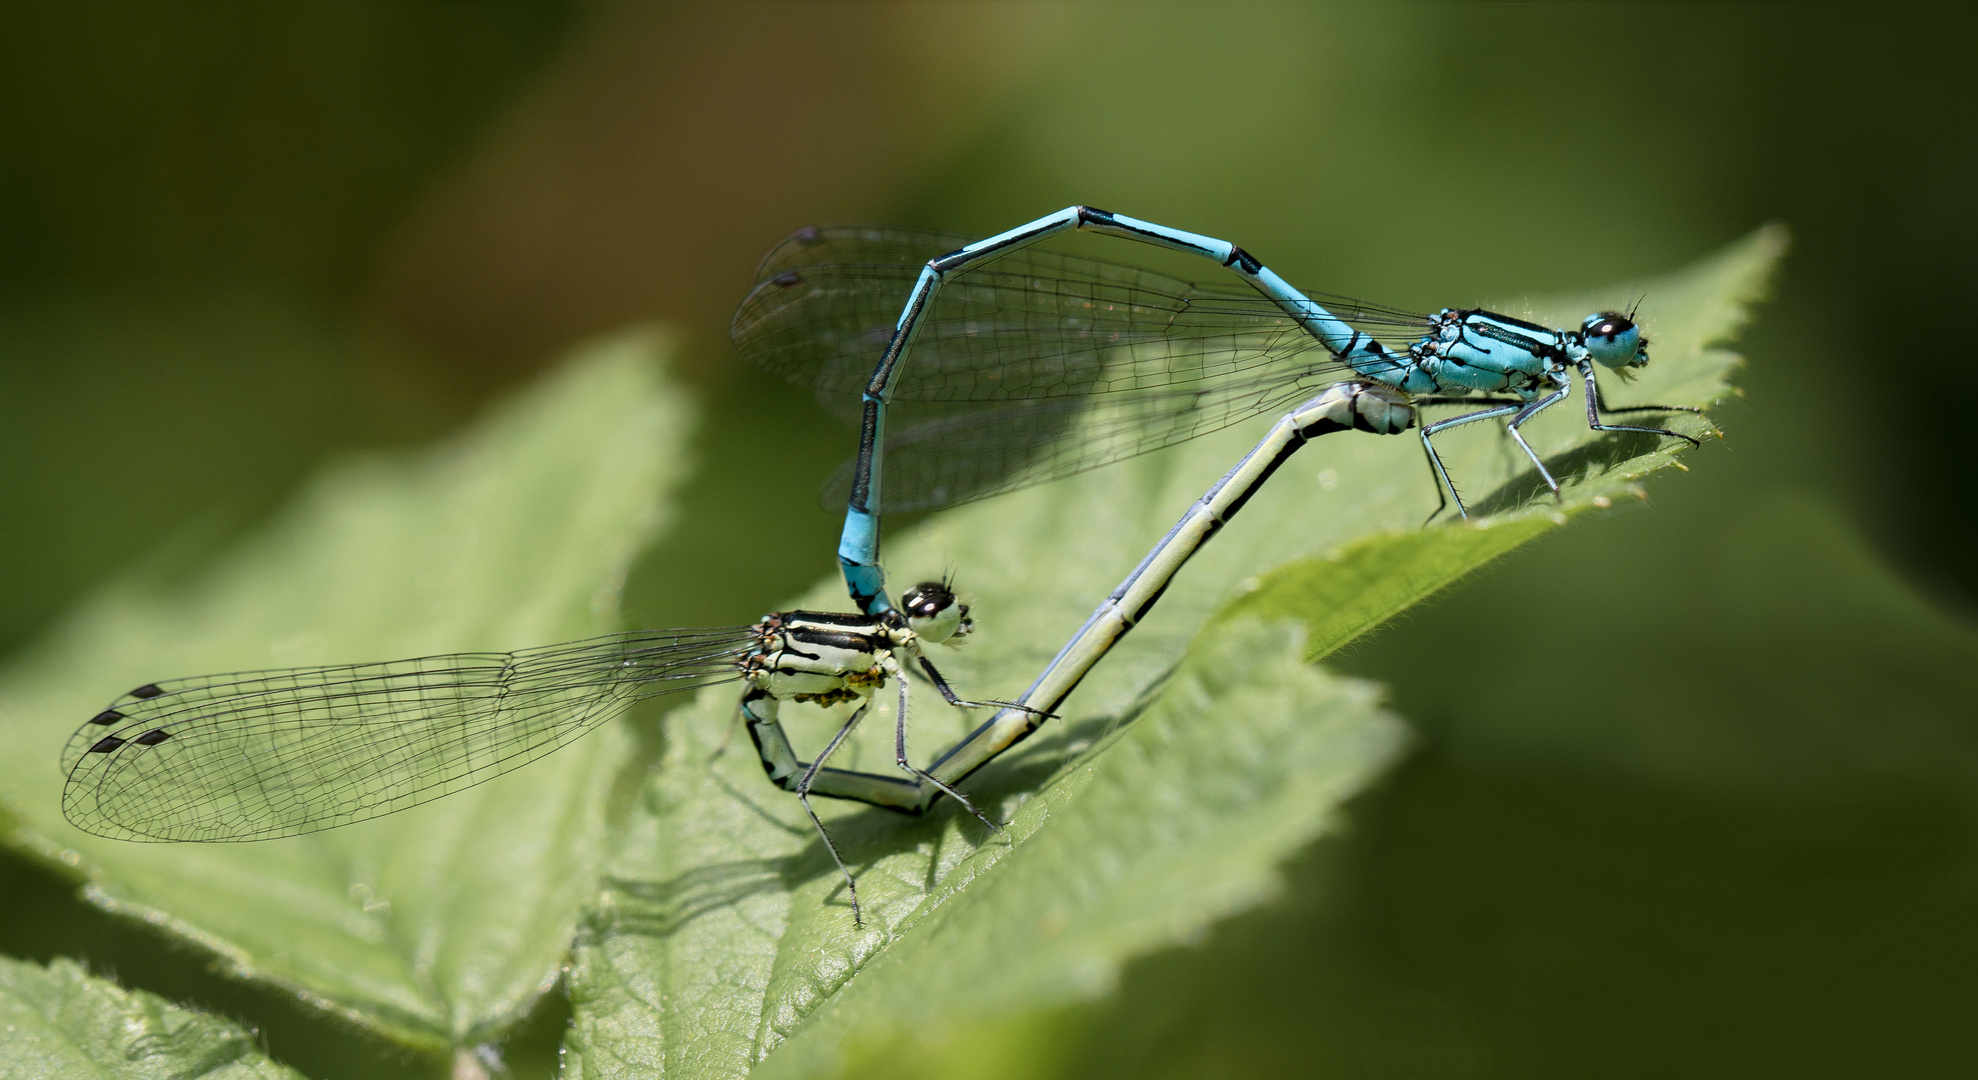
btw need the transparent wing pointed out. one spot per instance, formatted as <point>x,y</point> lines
<point>264,754</point>
<point>1034,366</point>
<point>826,300</point>
<point>1007,447</point>
<point>1032,324</point>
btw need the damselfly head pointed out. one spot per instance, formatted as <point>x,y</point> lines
<point>1613,340</point>
<point>934,613</point>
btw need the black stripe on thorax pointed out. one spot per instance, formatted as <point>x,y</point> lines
<point>834,639</point>
<point>1496,317</point>
<point>1522,342</point>
<point>849,619</point>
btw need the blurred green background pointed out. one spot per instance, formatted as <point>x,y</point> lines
<point>1698,788</point>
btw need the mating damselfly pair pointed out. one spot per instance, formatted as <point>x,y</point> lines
<point>1002,366</point>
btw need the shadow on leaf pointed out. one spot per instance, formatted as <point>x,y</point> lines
<point>1582,464</point>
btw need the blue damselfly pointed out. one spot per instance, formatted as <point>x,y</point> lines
<point>1020,365</point>
<point>1023,366</point>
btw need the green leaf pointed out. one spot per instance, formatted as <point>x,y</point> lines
<point>1178,823</point>
<point>1351,589</point>
<point>1162,801</point>
<point>439,926</point>
<point>59,1022</point>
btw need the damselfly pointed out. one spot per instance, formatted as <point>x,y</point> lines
<point>265,754</point>
<point>1026,366</point>
<point>1347,406</point>
<point>1021,366</point>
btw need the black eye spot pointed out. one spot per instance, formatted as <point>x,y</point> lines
<point>788,279</point>
<point>106,717</point>
<point>153,737</point>
<point>927,599</point>
<point>1609,326</point>
<point>106,744</point>
<point>148,690</point>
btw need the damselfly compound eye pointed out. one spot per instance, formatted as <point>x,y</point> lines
<point>1613,340</point>
<point>933,613</point>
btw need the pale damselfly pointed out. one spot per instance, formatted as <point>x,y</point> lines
<point>1347,406</point>
<point>266,754</point>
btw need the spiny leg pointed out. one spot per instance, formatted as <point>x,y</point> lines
<point>1527,413</point>
<point>948,693</point>
<point>803,796</point>
<point>1597,405</point>
<point>1435,460</point>
<point>1439,476</point>
<point>900,749</point>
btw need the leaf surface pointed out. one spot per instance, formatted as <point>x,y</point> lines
<point>438,926</point>
<point>61,1022</point>
<point>1162,801</point>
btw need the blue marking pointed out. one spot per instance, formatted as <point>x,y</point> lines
<point>858,557</point>
<point>1011,355</point>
